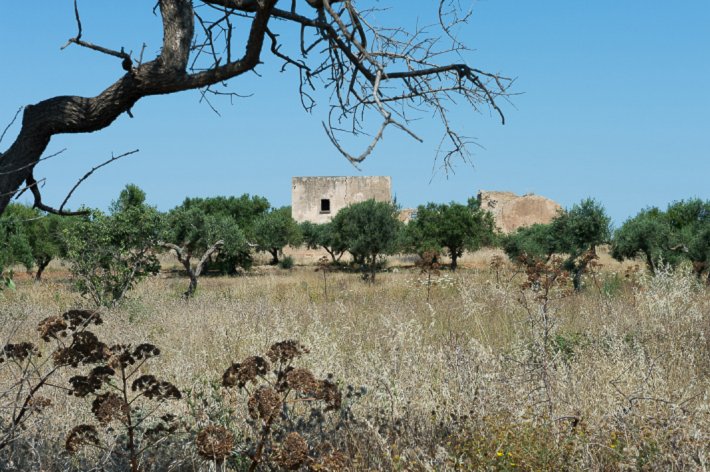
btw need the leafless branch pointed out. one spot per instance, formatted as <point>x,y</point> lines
<point>9,125</point>
<point>90,172</point>
<point>126,58</point>
<point>376,76</point>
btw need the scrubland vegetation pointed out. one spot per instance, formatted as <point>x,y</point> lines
<point>542,356</point>
<point>502,369</point>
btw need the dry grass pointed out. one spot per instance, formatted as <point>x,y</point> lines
<point>449,385</point>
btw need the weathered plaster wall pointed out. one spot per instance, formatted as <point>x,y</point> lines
<point>512,211</point>
<point>307,193</point>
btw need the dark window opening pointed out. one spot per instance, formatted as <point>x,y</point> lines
<point>325,205</point>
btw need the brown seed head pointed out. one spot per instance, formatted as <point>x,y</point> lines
<point>80,435</point>
<point>240,374</point>
<point>330,394</point>
<point>264,403</point>
<point>302,380</point>
<point>83,385</point>
<point>121,356</point>
<point>52,327</point>
<point>20,351</point>
<point>108,407</point>
<point>85,349</point>
<point>286,351</point>
<point>156,389</point>
<point>293,452</point>
<point>145,351</point>
<point>215,443</point>
<point>79,318</point>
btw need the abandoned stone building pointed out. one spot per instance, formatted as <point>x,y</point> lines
<point>511,211</point>
<point>318,199</point>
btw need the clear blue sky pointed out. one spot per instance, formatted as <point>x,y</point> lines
<point>614,104</point>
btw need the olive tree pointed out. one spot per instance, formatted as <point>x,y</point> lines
<point>682,232</point>
<point>576,232</point>
<point>369,229</point>
<point>690,221</point>
<point>531,244</point>
<point>275,230</point>
<point>15,246</point>
<point>323,235</point>
<point>44,234</point>
<point>190,232</point>
<point>109,254</point>
<point>452,227</point>
<point>378,76</point>
<point>648,234</point>
<point>242,211</point>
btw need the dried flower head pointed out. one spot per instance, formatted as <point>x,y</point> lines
<point>145,351</point>
<point>215,443</point>
<point>108,407</point>
<point>20,351</point>
<point>156,389</point>
<point>85,349</point>
<point>333,462</point>
<point>38,402</point>
<point>264,403</point>
<point>497,262</point>
<point>240,374</point>
<point>80,435</point>
<point>329,393</point>
<point>293,452</point>
<point>429,262</point>
<point>102,372</point>
<point>302,380</point>
<point>323,264</point>
<point>121,356</point>
<point>286,351</point>
<point>79,318</point>
<point>52,327</point>
<point>82,385</point>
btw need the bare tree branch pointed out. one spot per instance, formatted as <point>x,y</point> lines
<point>90,172</point>
<point>389,76</point>
<point>9,125</point>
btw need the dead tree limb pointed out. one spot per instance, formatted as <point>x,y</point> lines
<point>374,73</point>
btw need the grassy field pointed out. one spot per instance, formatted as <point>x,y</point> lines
<point>489,373</point>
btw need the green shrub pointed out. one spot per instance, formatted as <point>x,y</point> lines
<point>286,262</point>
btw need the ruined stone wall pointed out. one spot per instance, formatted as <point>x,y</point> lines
<point>512,211</point>
<point>308,194</point>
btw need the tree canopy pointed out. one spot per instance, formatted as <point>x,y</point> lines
<point>203,229</point>
<point>576,232</point>
<point>324,236</point>
<point>110,253</point>
<point>649,234</point>
<point>453,226</point>
<point>275,230</point>
<point>682,232</point>
<point>368,229</point>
